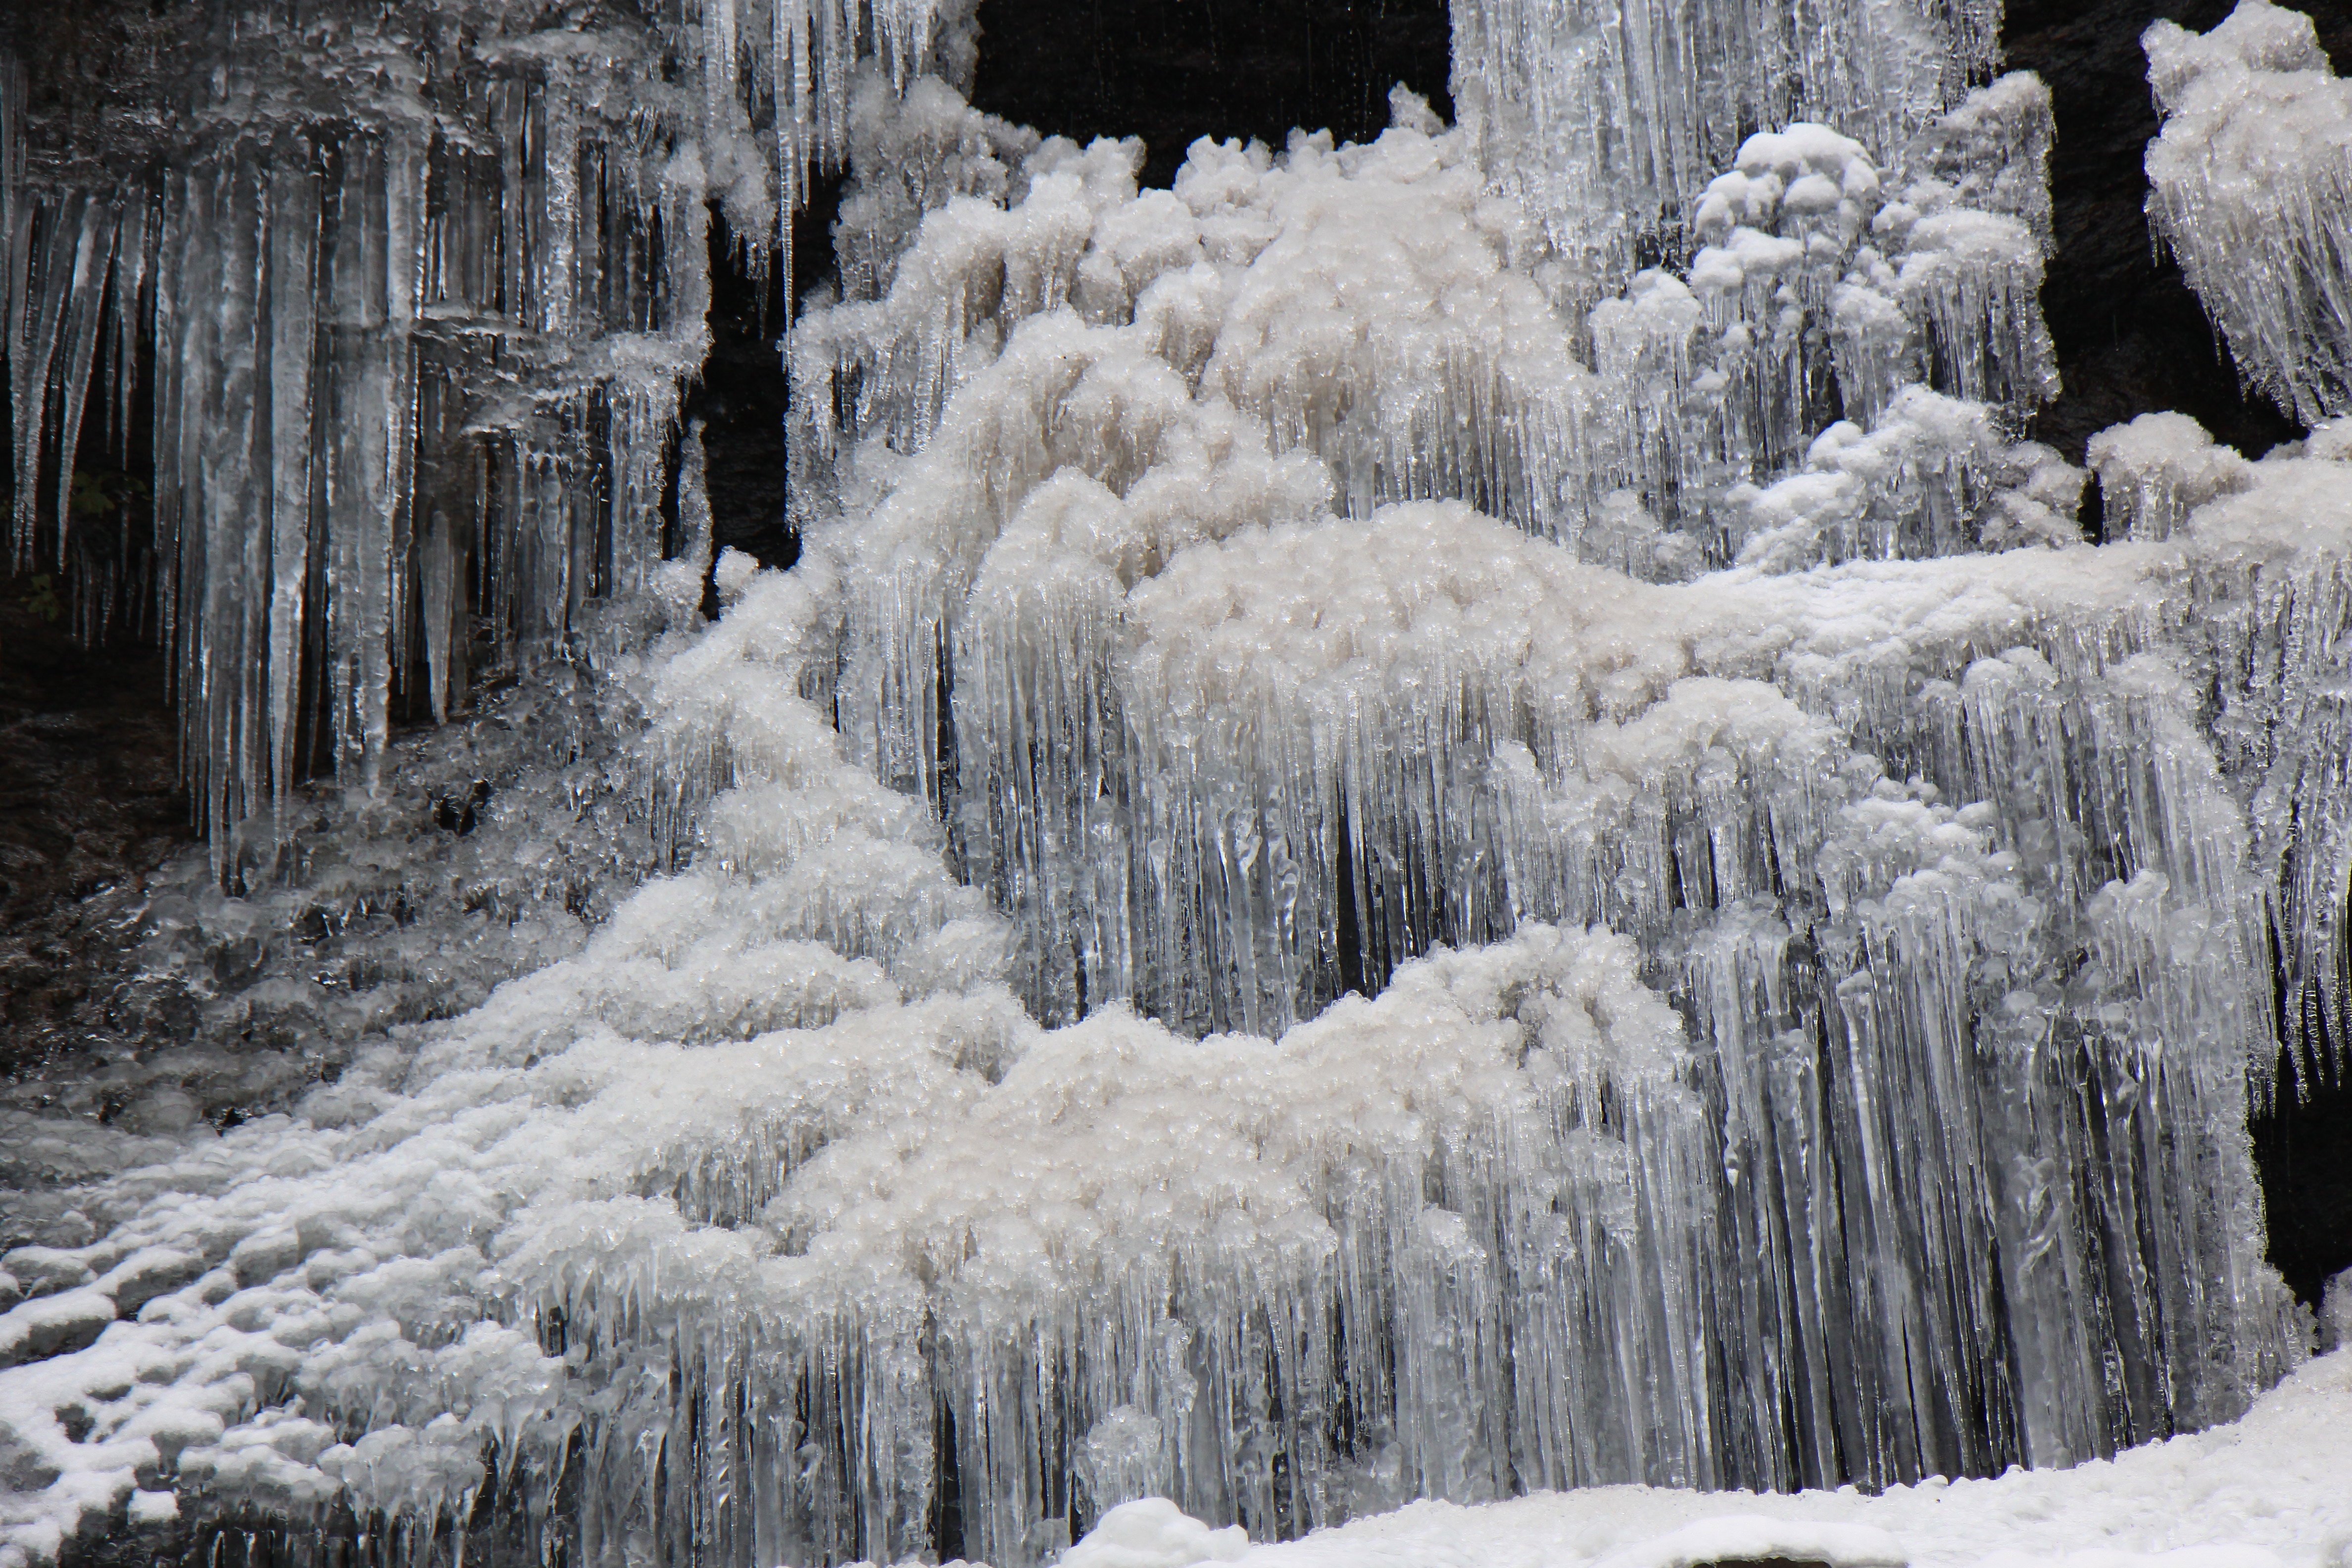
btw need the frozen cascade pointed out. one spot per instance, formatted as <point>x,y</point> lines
<point>1302,902</point>
<point>773,1202</point>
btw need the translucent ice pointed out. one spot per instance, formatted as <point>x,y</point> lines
<point>2250,187</point>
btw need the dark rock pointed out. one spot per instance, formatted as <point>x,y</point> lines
<point>89,799</point>
<point>1172,72</point>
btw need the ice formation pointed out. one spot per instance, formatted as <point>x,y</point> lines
<point>423,288</point>
<point>1608,119</point>
<point>2251,186</point>
<point>1366,861</point>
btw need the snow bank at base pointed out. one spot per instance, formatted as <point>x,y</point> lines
<point>2266,1491</point>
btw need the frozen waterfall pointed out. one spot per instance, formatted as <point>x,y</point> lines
<point>1427,819</point>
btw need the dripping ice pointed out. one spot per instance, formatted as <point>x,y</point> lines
<point>1375,853</point>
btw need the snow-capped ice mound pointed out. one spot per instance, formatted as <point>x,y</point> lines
<point>2251,187</point>
<point>778,1124</point>
<point>1815,271</point>
<point>1932,477</point>
<point>2156,470</point>
<point>1353,301</point>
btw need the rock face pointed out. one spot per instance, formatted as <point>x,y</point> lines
<point>1208,67</point>
<point>90,797</point>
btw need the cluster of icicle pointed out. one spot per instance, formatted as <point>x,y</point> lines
<point>1823,290</point>
<point>1805,1011</point>
<point>1377,308</point>
<point>1607,119</point>
<point>423,283</point>
<point>2251,186</point>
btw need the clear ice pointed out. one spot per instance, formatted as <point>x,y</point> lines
<point>1386,846</point>
<point>2250,188</point>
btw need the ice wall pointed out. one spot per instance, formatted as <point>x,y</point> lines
<point>2250,188</point>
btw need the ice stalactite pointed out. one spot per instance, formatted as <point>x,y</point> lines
<point>422,289</point>
<point>2250,185</point>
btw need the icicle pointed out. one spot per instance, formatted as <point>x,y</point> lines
<point>2247,187</point>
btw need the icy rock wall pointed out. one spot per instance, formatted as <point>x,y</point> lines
<point>423,284</point>
<point>2249,185</point>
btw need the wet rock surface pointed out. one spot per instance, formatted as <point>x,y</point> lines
<point>89,801</point>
